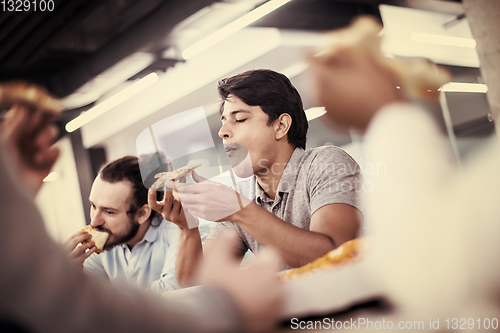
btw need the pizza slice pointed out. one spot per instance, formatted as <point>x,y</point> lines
<point>345,253</point>
<point>175,175</point>
<point>29,95</point>
<point>99,238</point>
<point>418,78</point>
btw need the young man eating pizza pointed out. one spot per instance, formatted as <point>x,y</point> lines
<point>302,203</point>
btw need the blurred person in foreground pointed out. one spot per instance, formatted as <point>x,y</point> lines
<point>42,290</point>
<point>301,202</point>
<point>436,247</point>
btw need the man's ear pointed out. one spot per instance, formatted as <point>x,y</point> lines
<point>143,214</point>
<point>282,125</point>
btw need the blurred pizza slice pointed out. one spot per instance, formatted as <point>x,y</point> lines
<point>345,253</point>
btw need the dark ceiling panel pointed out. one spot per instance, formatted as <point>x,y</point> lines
<point>318,15</point>
<point>63,49</point>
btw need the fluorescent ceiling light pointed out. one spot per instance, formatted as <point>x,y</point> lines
<point>464,87</point>
<point>111,102</point>
<point>109,79</point>
<point>315,112</point>
<point>51,177</point>
<point>233,27</point>
<point>443,40</point>
<point>295,69</point>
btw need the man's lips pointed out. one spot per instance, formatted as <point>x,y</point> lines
<point>230,149</point>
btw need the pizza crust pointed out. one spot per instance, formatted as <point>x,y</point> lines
<point>20,93</point>
<point>175,175</point>
<point>346,253</point>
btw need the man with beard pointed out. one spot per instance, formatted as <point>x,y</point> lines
<point>141,245</point>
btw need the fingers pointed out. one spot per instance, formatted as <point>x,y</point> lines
<point>47,158</point>
<point>88,253</point>
<point>80,254</point>
<point>197,178</point>
<point>224,249</point>
<point>267,260</point>
<point>153,202</point>
<point>14,121</point>
<point>46,137</point>
<point>80,246</point>
<point>169,207</point>
<point>74,240</point>
<point>196,188</point>
<point>79,250</point>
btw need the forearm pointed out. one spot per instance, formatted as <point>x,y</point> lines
<point>295,246</point>
<point>189,253</point>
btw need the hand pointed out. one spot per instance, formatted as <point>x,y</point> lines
<point>171,209</point>
<point>256,290</point>
<point>210,200</point>
<point>77,247</point>
<point>27,134</point>
<point>352,81</point>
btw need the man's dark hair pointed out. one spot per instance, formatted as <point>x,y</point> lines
<point>127,168</point>
<point>275,95</point>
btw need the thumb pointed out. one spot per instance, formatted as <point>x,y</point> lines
<point>197,178</point>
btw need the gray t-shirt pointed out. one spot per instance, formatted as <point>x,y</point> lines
<point>312,179</point>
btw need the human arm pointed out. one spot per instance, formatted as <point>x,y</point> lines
<point>333,218</point>
<point>331,225</point>
<point>27,134</point>
<point>189,246</point>
<point>167,280</point>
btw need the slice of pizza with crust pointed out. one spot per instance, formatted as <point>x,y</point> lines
<point>345,253</point>
<point>418,78</point>
<point>30,95</point>
<point>99,238</point>
<point>175,175</point>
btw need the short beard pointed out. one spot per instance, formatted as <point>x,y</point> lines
<point>131,233</point>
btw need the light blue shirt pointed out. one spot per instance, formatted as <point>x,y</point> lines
<point>151,262</point>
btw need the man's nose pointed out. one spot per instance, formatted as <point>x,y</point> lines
<point>97,220</point>
<point>224,132</point>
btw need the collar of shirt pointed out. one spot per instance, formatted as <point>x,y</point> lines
<point>152,234</point>
<point>286,181</point>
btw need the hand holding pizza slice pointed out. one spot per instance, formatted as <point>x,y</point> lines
<point>27,132</point>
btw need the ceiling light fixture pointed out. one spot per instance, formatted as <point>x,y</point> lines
<point>315,112</point>
<point>232,27</point>
<point>443,40</point>
<point>295,69</point>
<point>464,87</point>
<point>111,102</point>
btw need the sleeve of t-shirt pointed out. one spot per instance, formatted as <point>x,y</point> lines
<point>334,177</point>
<point>227,226</point>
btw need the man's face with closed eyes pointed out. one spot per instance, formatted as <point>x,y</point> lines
<point>249,142</point>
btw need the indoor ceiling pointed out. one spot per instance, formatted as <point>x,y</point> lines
<point>79,50</point>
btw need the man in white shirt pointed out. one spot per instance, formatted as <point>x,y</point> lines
<point>141,246</point>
